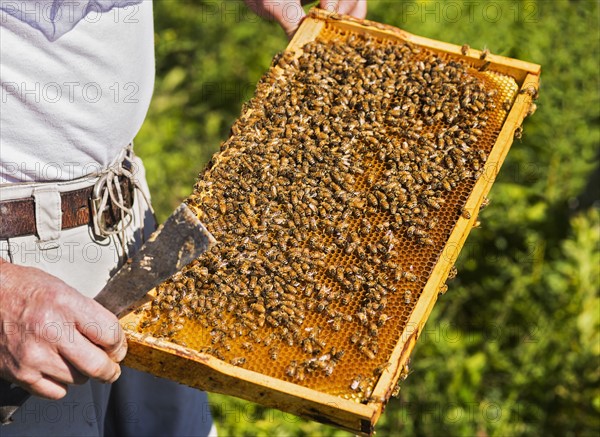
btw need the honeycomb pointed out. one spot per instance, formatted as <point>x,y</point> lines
<point>332,201</point>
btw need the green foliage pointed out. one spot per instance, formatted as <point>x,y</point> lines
<point>209,56</point>
<point>514,347</point>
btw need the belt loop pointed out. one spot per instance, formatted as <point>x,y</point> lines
<point>48,214</point>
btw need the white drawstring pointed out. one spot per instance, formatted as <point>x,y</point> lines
<point>108,188</point>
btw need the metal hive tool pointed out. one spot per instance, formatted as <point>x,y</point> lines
<point>358,166</point>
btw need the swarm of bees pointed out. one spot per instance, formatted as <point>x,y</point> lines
<point>331,202</point>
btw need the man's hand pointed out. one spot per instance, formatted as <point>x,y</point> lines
<point>52,336</point>
<point>289,13</point>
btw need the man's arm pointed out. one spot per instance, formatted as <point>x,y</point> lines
<point>52,336</point>
<point>289,13</point>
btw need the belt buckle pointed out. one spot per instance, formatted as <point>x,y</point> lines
<point>97,215</point>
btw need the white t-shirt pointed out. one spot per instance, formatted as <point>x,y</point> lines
<point>76,85</point>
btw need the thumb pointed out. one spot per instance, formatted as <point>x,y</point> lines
<point>288,13</point>
<point>356,8</point>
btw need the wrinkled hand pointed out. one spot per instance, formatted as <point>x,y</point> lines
<point>52,336</point>
<point>289,13</point>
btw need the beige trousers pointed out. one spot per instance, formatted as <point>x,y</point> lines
<point>138,404</point>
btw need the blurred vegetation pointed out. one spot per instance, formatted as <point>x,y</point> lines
<point>513,348</point>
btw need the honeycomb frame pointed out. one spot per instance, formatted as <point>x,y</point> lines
<point>193,368</point>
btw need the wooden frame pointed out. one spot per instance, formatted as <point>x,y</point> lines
<point>206,372</point>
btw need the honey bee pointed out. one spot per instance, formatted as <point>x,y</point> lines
<point>267,341</point>
<point>362,317</point>
<point>336,324</point>
<point>336,355</point>
<point>370,354</point>
<point>519,132</point>
<point>322,305</point>
<point>405,372</point>
<point>482,155</point>
<point>239,361</point>
<point>372,199</point>
<point>453,272</point>
<point>360,252</point>
<point>432,223</point>
<point>356,382</point>
<point>410,276</point>
<point>274,353</point>
<point>307,346</point>
<point>532,109</point>
<point>420,233</point>
<point>291,369</point>
<point>485,66</point>
<point>329,368</point>
<point>531,90</point>
<point>254,337</point>
<point>449,163</point>
<point>373,329</point>
<point>381,368</point>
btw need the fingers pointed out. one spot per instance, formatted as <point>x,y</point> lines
<point>331,5</point>
<point>89,360</point>
<point>57,336</point>
<point>289,16</point>
<point>102,328</point>
<point>62,372</point>
<point>118,353</point>
<point>53,382</point>
<point>73,377</point>
<point>35,383</point>
<point>46,388</point>
<point>356,8</point>
<point>359,10</point>
<point>289,13</point>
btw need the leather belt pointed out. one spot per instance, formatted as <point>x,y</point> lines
<point>17,217</point>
